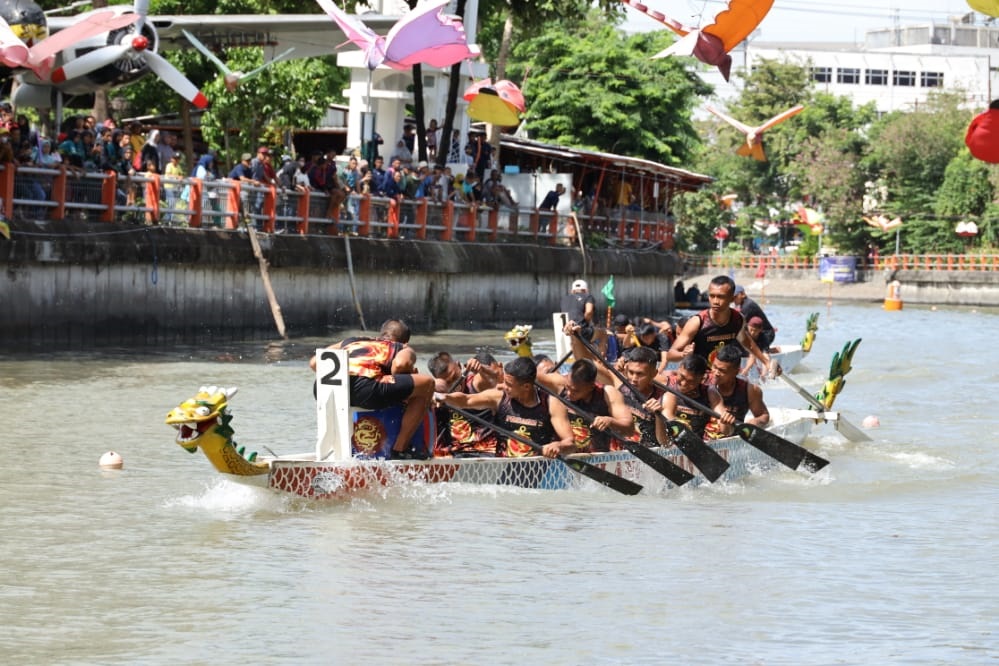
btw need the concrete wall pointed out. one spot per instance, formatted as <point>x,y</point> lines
<point>76,285</point>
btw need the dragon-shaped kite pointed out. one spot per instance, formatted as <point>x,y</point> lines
<point>712,43</point>
<point>753,146</point>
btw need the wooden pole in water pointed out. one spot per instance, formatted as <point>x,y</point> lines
<point>265,275</point>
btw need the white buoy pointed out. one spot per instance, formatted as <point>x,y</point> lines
<point>111,460</point>
<point>871,422</point>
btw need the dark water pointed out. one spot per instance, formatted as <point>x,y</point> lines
<point>887,556</point>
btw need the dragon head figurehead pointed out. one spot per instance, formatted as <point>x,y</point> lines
<point>519,339</point>
<point>203,421</point>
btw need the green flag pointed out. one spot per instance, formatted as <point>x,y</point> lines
<point>608,292</point>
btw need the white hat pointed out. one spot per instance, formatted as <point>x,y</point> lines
<point>580,285</point>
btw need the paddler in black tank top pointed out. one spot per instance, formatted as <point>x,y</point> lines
<point>690,382</point>
<point>717,325</point>
<point>739,396</point>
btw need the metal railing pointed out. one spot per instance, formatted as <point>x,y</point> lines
<point>150,199</point>
<point>892,262</point>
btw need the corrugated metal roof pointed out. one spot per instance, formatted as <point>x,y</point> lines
<point>687,180</point>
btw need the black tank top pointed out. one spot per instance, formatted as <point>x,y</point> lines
<point>737,404</point>
<point>585,438</point>
<point>711,337</point>
<point>645,422</point>
<point>535,423</point>
<point>694,418</point>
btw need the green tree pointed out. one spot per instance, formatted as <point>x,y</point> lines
<point>966,189</point>
<point>912,151</point>
<point>590,86</point>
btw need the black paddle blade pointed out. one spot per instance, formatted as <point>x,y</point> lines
<point>708,461</point>
<point>602,476</point>
<point>787,453</point>
<point>676,474</point>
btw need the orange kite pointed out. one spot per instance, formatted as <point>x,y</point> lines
<point>712,43</point>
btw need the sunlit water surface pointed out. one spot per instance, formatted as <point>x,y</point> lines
<point>887,556</point>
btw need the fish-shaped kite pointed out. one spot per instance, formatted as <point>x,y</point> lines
<point>230,78</point>
<point>424,36</point>
<point>753,147</point>
<point>40,57</point>
<point>712,43</point>
<point>500,103</point>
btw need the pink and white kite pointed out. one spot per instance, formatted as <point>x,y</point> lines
<point>424,36</point>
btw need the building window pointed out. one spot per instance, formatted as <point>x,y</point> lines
<point>902,77</point>
<point>876,77</point>
<point>931,79</point>
<point>847,75</point>
<point>822,74</point>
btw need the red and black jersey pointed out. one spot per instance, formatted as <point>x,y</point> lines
<point>711,337</point>
<point>586,439</point>
<point>534,423</point>
<point>645,422</point>
<point>370,358</point>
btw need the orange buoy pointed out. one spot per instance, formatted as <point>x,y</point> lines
<point>893,296</point>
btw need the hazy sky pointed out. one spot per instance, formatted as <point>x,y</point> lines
<point>810,20</point>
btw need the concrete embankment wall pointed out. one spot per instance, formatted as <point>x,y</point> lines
<point>918,287</point>
<point>75,285</point>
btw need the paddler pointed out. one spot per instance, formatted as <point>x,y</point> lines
<point>383,374</point>
<point>716,325</point>
<point>739,396</point>
<point>689,380</point>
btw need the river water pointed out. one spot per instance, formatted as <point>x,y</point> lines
<point>886,556</point>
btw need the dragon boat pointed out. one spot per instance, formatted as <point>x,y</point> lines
<point>352,447</point>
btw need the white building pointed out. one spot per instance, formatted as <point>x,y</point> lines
<point>896,68</point>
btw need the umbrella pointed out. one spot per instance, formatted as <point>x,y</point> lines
<point>499,103</point>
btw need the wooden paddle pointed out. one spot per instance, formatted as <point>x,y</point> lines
<point>676,474</point>
<point>783,451</point>
<point>601,476</point>
<point>850,431</point>
<point>707,461</point>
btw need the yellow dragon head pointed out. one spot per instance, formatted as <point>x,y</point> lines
<point>203,421</point>
<point>519,339</point>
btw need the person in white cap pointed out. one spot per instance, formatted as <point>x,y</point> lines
<point>581,307</point>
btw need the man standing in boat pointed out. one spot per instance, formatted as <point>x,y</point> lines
<point>715,326</point>
<point>739,396</point>
<point>520,407</point>
<point>580,306</point>
<point>383,374</point>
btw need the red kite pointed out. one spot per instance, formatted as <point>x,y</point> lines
<point>982,137</point>
<point>753,147</point>
<point>712,43</point>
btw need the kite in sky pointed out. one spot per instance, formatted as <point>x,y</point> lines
<point>500,103</point>
<point>712,43</point>
<point>424,35</point>
<point>753,146</point>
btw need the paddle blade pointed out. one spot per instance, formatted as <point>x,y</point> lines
<point>709,462</point>
<point>786,453</point>
<point>602,476</point>
<point>676,474</point>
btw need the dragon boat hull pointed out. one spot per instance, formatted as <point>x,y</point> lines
<point>331,480</point>
<point>352,446</point>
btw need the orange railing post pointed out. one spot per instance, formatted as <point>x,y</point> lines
<point>535,223</point>
<point>421,218</point>
<point>232,205</point>
<point>109,195</point>
<point>7,189</point>
<point>493,224</point>
<point>553,228</point>
<point>152,195</point>
<point>196,192</point>
<point>364,212</point>
<point>270,208</point>
<point>447,220</point>
<point>302,226</point>
<point>59,194</point>
<point>393,218</point>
